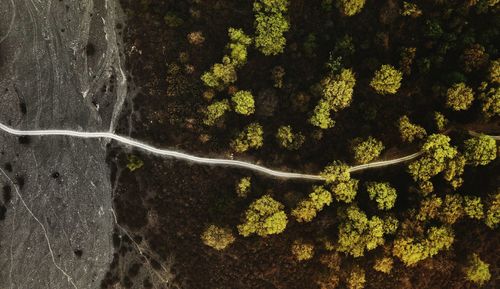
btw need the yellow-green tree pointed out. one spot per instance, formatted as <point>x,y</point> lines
<point>492,217</point>
<point>217,237</point>
<point>480,150</point>
<point>494,71</point>
<point>243,102</point>
<point>367,150</point>
<point>338,177</point>
<point>350,7</point>
<point>252,137</point>
<point>238,45</point>
<point>356,279</point>
<point>452,209</point>
<point>387,79</point>
<point>308,208</point>
<point>491,102</point>
<point>216,111</point>
<point>473,207</point>
<point>459,97</point>
<point>243,187</point>
<point>383,193</point>
<point>288,139</point>
<point>477,271</point>
<point>265,216</point>
<point>270,25</point>
<point>409,131</point>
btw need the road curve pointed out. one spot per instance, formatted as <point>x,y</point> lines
<point>197,159</point>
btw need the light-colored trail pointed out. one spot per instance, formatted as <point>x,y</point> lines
<point>197,159</point>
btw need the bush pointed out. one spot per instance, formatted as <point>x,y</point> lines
<point>265,216</point>
<point>409,131</point>
<point>350,7</point>
<point>243,102</point>
<point>383,194</point>
<point>252,137</point>
<point>134,163</point>
<point>477,271</point>
<point>243,187</point>
<point>480,150</point>
<point>411,9</point>
<point>215,111</point>
<point>302,251</point>
<point>270,25</point>
<point>308,209</point>
<point>473,207</point>
<point>367,150</point>
<point>459,97</point>
<point>288,139</point>
<point>217,237</point>
<point>386,80</point>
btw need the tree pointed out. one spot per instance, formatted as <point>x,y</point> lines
<point>491,103</point>
<point>437,152</point>
<point>217,237</point>
<point>411,251</point>
<point>252,136</point>
<point>459,96</point>
<point>383,265</point>
<point>411,9</point>
<point>494,71</point>
<point>480,150</point>
<point>288,139</point>
<point>338,177</point>
<point>243,102</point>
<point>302,251</point>
<point>336,171</point>
<point>265,216</point>
<point>270,25</point>
<point>452,209</point>
<point>429,208</point>
<point>454,170</point>
<point>238,44</point>
<point>350,7</point>
<point>409,131</point>
<point>356,279</point>
<point>386,80</point>
<point>367,150</point>
<point>383,194</point>
<point>243,187</point>
<point>220,75</point>
<point>321,115</point>
<point>493,213</point>
<point>216,111</point>
<point>477,271</point>
<point>440,121</point>
<point>473,207</point>
<point>474,58</point>
<point>357,233</point>
<point>308,208</point>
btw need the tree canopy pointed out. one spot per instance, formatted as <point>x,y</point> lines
<point>265,216</point>
<point>387,79</point>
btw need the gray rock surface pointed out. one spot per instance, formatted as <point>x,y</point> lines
<point>59,68</point>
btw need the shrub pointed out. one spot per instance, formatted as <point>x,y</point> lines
<point>270,25</point>
<point>459,96</point>
<point>477,271</point>
<point>409,131</point>
<point>383,194</point>
<point>217,237</point>
<point>134,163</point>
<point>302,251</point>
<point>494,71</point>
<point>243,187</point>
<point>288,139</point>
<point>215,111</point>
<point>386,80</point>
<point>480,150</point>
<point>367,150</point>
<point>493,213</point>
<point>243,102</point>
<point>411,9</point>
<point>265,216</point>
<point>196,38</point>
<point>473,207</point>
<point>383,265</point>
<point>350,7</point>
<point>308,208</point>
<point>252,137</point>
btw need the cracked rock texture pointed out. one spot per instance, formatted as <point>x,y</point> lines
<point>60,67</point>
